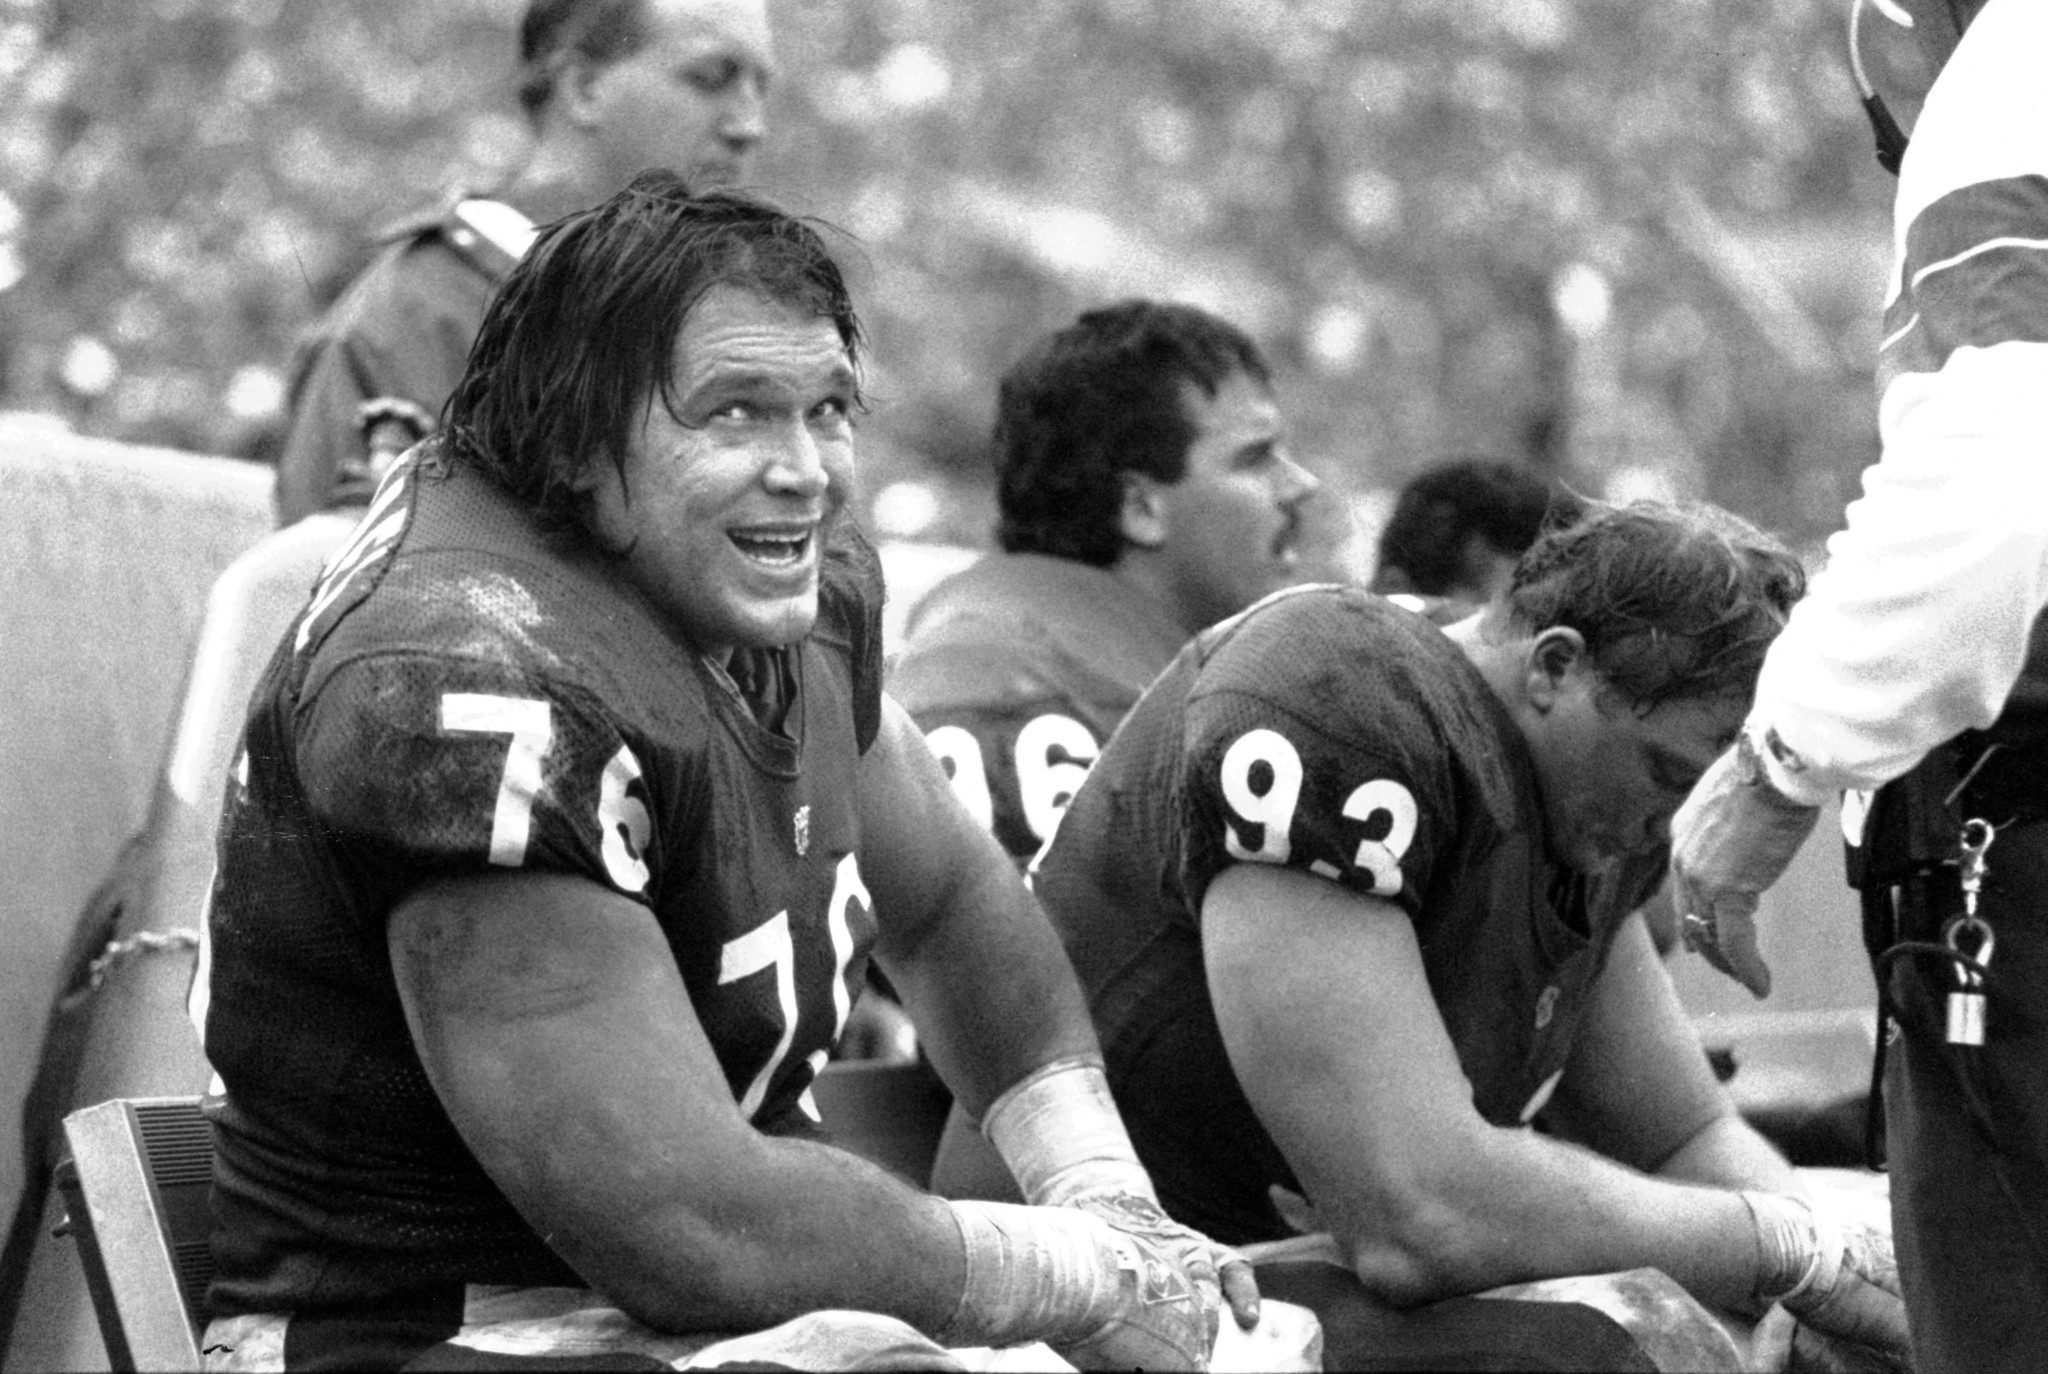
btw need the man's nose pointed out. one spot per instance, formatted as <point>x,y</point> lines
<point>745,117</point>
<point>1297,483</point>
<point>798,464</point>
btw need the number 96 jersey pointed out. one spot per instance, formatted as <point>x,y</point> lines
<point>464,695</point>
<point>1330,731</point>
<point>1016,670</point>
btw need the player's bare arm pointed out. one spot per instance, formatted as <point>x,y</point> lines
<point>556,1029</point>
<point>981,971</point>
<point>996,999</point>
<point>1328,1018</point>
<point>535,999</point>
<point>1638,1090</point>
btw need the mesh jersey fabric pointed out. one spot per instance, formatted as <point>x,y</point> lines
<point>1329,731</point>
<point>463,695</point>
<point>1017,669</point>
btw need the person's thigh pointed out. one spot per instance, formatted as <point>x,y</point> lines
<point>1970,1209</point>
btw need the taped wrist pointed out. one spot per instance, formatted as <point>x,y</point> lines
<point>1035,1274</point>
<point>1799,1253</point>
<point>1059,1131</point>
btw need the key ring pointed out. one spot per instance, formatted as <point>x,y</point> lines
<point>1978,926</point>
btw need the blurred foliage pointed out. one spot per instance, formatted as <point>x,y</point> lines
<point>1638,241</point>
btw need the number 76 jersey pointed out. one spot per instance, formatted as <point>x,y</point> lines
<point>464,696</point>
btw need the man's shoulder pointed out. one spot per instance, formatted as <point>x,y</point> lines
<point>1018,628</point>
<point>997,587</point>
<point>474,594</point>
<point>429,264</point>
<point>1359,685</point>
<point>1341,646</point>
<point>472,684</point>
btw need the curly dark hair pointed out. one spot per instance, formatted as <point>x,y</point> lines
<point>583,332</point>
<point>552,31</point>
<point>1673,601</point>
<point>1099,398</point>
<point>1506,504</point>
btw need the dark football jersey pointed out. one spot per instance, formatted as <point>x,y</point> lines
<point>1329,731</point>
<point>462,695</point>
<point>1017,670</point>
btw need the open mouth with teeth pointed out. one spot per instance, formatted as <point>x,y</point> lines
<point>779,549</point>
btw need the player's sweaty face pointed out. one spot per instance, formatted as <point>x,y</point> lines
<point>726,506</point>
<point>692,98</point>
<point>1613,776</point>
<point>1233,521</point>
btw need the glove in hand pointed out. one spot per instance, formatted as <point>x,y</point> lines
<point>1219,1273</point>
<point>1159,1322</point>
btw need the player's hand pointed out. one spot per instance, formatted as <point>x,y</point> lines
<point>1836,1273</point>
<point>1158,1321</point>
<point>1220,1275</point>
<point>1731,840</point>
<point>1782,1344</point>
<point>1101,1295</point>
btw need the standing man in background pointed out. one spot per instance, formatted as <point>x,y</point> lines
<point>1918,666</point>
<point>610,87</point>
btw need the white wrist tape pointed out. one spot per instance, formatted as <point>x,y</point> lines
<point>1035,1274</point>
<point>1799,1253</point>
<point>1059,1131</point>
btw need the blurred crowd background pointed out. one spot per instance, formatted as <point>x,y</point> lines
<point>1640,243</point>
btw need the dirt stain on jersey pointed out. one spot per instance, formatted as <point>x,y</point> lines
<point>507,618</point>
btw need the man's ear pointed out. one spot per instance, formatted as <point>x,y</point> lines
<point>1141,519</point>
<point>588,477</point>
<point>1554,656</point>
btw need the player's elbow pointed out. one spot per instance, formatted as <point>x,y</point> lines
<point>1418,1243</point>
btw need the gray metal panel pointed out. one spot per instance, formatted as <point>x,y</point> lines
<point>131,1231</point>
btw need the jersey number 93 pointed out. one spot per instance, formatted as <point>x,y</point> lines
<point>1260,778</point>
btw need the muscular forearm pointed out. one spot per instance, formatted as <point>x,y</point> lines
<point>556,1030</point>
<point>1512,1205</point>
<point>1728,1153</point>
<point>813,1229</point>
<point>995,997</point>
<point>961,937</point>
<point>801,1229</point>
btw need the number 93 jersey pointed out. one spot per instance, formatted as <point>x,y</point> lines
<point>1329,731</point>
<point>464,695</point>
